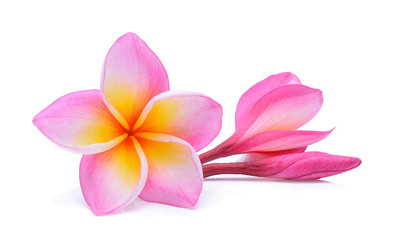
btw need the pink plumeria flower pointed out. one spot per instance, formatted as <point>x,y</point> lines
<point>138,138</point>
<point>294,166</point>
<point>268,116</point>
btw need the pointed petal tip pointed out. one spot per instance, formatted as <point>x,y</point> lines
<point>356,162</point>
<point>99,212</point>
<point>329,131</point>
<point>317,93</point>
<point>291,77</point>
<point>191,202</point>
<point>35,119</point>
<point>320,95</point>
<point>130,35</point>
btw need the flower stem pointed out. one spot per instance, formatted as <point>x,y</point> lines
<point>210,156</point>
<point>223,168</point>
<point>218,152</point>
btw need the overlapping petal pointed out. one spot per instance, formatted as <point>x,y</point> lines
<point>174,171</point>
<point>279,140</point>
<point>190,116</point>
<point>257,91</point>
<point>132,74</point>
<point>112,179</point>
<point>80,122</point>
<point>285,108</point>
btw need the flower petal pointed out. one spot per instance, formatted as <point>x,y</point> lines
<point>190,116</point>
<point>80,122</point>
<point>257,156</point>
<point>302,166</point>
<point>256,92</point>
<point>286,108</point>
<point>132,74</point>
<point>298,166</point>
<point>278,141</point>
<point>112,179</point>
<point>175,174</point>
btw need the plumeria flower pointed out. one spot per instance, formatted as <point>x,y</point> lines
<point>267,117</point>
<point>293,166</point>
<point>138,138</point>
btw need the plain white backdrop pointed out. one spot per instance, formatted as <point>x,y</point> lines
<point>348,49</point>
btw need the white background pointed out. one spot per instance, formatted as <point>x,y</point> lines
<point>348,49</point>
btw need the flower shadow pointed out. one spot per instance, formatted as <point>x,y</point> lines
<point>150,209</point>
<point>269,180</point>
<point>72,197</point>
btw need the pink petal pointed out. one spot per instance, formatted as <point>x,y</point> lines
<point>132,74</point>
<point>278,141</point>
<point>285,108</point>
<point>256,92</point>
<point>80,122</point>
<point>175,174</point>
<point>191,116</point>
<point>263,155</point>
<point>112,179</point>
<point>302,166</point>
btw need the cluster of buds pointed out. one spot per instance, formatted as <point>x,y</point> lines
<point>266,120</point>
